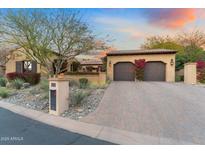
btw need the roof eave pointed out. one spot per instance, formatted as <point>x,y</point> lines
<point>140,53</point>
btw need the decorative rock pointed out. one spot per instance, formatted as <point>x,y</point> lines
<point>8,85</point>
<point>26,85</point>
<point>79,109</point>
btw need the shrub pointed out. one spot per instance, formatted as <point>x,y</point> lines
<point>179,78</point>
<point>83,83</point>
<point>44,85</point>
<point>4,93</point>
<point>78,97</point>
<point>201,71</point>
<point>73,83</point>
<point>32,78</point>
<point>139,68</point>
<point>17,83</point>
<point>3,82</point>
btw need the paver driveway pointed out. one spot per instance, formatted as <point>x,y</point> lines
<point>164,110</point>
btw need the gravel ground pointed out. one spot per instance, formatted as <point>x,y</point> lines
<point>31,97</point>
<point>88,105</point>
<point>34,98</point>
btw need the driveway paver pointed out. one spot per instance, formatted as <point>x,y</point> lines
<point>167,111</point>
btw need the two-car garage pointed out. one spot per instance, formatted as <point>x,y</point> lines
<point>153,71</point>
<point>159,66</point>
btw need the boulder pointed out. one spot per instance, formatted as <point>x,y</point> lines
<point>26,85</point>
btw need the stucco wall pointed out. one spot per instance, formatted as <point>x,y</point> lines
<point>17,56</point>
<point>190,73</point>
<point>93,78</point>
<point>2,71</point>
<point>166,58</point>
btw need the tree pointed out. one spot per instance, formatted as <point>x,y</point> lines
<point>4,55</point>
<point>162,42</point>
<point>42,34</point>
<point>195,38</point>
<point>188,45</point>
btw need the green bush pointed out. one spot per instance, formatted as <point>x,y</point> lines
<point>4,93</point>
<point>3,82</point>
<point>179,78</point>
<point>44,85</point>
<point>83,83</point>
<point>78,97</point>
<point>73,83</point>
<point>17,83</point>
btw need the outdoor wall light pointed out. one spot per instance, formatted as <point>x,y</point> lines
<point>109,63</point>
<point>172,62</point>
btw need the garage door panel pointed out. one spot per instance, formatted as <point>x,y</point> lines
<point>154,71</point>
<point>124,71</point>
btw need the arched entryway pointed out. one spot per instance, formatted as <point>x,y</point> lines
<point>154,71</point>
<point>124,71</point>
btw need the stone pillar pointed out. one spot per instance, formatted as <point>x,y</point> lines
<point>190,73</point>
<point>58,95</point>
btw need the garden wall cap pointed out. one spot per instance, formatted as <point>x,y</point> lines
<point>141,52</point>
<point>190,63</point>
<point>58,79</point>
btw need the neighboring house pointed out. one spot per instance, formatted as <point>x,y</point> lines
<point>160,64</point>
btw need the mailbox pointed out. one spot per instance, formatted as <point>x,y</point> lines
<point>58,95</point>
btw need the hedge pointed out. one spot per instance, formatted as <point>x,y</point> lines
<point>32,78</point>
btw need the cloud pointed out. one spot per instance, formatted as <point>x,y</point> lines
<point>170,18</point>
<point>200,13</point>
<point>122,26</point>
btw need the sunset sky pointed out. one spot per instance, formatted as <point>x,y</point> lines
<point>129,27</point>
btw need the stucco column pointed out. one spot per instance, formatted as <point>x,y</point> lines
<point>190,73</point>
<point>102,78</point>
<point>58,95</point>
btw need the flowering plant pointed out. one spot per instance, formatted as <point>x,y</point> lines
<point>200,71</point>
<point>139,68</point>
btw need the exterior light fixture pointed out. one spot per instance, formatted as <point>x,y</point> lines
<point>109,63</point>
<point>172,62</point>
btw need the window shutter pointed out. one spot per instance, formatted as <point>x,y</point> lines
<point>19,67</point>
<point>34,67</point>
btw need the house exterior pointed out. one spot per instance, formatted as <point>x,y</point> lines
<point>91,66</point>
<point>19,62</point>
<point>160,64</point>
<point>2,70</point>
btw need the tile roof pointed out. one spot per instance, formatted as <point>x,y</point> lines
<point>91,62</point>
<point>141,51</point>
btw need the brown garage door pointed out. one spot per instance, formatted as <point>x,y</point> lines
<point>124,71</point>
<point>154,71</point>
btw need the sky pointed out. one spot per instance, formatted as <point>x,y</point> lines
<point>128,28</point>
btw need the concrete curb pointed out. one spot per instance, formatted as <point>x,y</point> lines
<point>109,134</point>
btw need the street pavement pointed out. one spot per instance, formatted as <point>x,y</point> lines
<point>19,130</point>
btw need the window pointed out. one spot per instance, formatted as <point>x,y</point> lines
<point>27,66</point>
